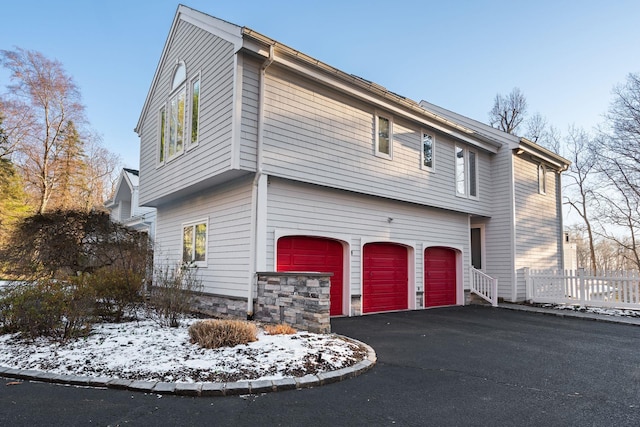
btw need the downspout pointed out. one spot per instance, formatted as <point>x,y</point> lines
<point>256,182</point>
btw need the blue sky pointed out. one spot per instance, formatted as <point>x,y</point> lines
<point>565,56</point>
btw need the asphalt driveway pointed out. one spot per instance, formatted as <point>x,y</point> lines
<point>451,366</point>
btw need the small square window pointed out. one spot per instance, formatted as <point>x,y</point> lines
<point>194,243</point>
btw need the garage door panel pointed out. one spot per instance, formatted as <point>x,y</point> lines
<point>440,277</point>
<point>385,277</point>
<point>301,253</point>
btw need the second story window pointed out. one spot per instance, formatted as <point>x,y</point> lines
<point>163,124</point>
<point>172,120</point>
<point>176,122</point>
<point>427,151</point>
<point>542,179</point>
<point>195,110</point>
<point>384,137</point>
<point>466,170</point>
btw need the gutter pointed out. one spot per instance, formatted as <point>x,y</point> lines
<point>536,150</point>
<point>255,205</point>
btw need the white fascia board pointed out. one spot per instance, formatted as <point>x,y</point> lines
<point>215,26</point>
<point>116,189</point>
<point>128,180</point>
<point>223,29</point>
<point>542,153</point>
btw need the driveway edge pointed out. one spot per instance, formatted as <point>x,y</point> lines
<point>633,321</point>
<point>207,388</point>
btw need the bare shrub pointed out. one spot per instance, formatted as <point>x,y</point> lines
<point>173,292</point>
<point>212,333</point>
<point>279,329</point>
<point>47,308</point>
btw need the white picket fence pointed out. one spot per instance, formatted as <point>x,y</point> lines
<point>484,286</point>
<point>617,289</point>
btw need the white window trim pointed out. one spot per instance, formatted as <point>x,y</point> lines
<point>433,151</point>
<point>196,77</point>
<point>376,119</point>
<point>542,179</point>
<point>467,181</point>
<point>161,133</point>
<point>204,221</point>
<point>179,65</point>
<point>455,169</point>
<point>476,173</point>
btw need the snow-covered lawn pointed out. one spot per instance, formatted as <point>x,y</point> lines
<point>142,350</point>
<point>620,312</point>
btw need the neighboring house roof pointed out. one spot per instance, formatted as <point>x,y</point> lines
<point>515,142</point>
<point>128,177</point>
<point>133,176</point>
<point>255,43</point>
<point>126,187</point>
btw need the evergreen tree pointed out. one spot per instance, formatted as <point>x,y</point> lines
<point>71,170</point>
<point>13,200</point>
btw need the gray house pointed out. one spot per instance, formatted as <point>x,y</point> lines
<point>124,208</point>
<point>258,157</point>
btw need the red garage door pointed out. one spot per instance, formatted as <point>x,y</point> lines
<point>385,282</point>
<point>440,276</point>
<point>300,253</point>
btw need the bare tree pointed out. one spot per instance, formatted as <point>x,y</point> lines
<point>16,119</point>
<point>624,121</point>
<point>102,167</point>
<point>542,133</point>
<point>509,111</point>
<point>47,99</point>
<point>580,193</point>
<point>619,164</point>
<point>622,207</point>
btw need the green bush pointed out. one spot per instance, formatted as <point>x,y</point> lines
<point>116,292</point>
<point>212,333</point>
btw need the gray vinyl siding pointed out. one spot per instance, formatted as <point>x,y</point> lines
<point>213,58</point>
<point>250,106</point>
<point>499,240</point>
<point>538,220</point>
<point>353,217</point>
<point>228,209</point>
<point>319,136</point>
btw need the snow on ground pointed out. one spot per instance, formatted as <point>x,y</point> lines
<point>142,350</point>
<point>620,312</point>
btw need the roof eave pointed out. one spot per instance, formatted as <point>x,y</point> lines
<point>548,156</point>
<point>258,43</point>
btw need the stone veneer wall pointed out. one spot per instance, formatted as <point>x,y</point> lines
<point>298,299</point>
<point>220,306</point>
